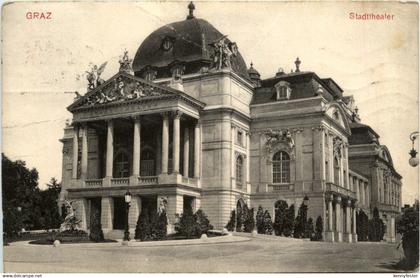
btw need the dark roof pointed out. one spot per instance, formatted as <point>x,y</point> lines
<point>190,43</point>
<point>303,84</point>
<point>362,134</point>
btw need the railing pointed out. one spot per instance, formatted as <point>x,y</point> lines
<point>120,181</point>
<point>93,183</point>
<point>148,180</point>
<point>336,188</point>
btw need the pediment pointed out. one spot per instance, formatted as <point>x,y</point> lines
<point>336,113</point>
<point>118,89</point>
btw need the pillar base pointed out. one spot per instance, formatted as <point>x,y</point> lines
<point>354,238</point>
<point>329,236</point>
<point>338,237</point>
<point>347,237</point>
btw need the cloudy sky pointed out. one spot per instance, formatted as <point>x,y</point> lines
<point>43,60</point>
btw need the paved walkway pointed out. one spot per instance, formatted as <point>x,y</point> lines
<point>217,255</point>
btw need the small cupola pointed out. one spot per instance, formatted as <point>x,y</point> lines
<point>254,75</point>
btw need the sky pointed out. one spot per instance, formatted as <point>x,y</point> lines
<point>376,61</point>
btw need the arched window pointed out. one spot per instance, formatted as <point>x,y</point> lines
<point>121,166</point>
<point>336,171</point>
<point>281,167</point>
<point>239,170</point>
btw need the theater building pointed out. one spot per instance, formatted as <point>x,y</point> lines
<point>187,123</point>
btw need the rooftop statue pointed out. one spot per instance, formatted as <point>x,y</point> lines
<point>223,51</point>
<point>125,63</point>
<point>93,76</point>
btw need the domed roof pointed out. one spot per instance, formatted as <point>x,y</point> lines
<point>185,41</point>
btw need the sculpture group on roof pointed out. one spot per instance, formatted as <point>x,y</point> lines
<point>94,76</point>
<point>223,51</point>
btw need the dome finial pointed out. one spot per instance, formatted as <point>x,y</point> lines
<point>191,7</point>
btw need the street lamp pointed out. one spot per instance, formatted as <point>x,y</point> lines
<point>127,199</point>
<point>414,160</point>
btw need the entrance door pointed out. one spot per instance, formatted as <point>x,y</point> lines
<point>119,214</point>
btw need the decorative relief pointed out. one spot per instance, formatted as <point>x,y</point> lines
<point>121,89</point>
<point>279,138</point>
<point>337,146</point>
<point>162,205</point>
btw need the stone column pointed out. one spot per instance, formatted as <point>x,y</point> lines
<point>331,156</point>
<point>346,152</point>
<point>175,147</point>
<point>81,206</point>
<point>75,151</point>
<point>347,235</point>
<point>367,195</point>
<point>341,179</point>
<point>133,213</point>
<point>165,143</point>
<point>186,152</point>
<point>356,188</point>
<point>197,150</point>
<point>107,211</point>
<point>354,230</point>
<point>232,156</point>
<point>323,170</point>
<point>329,234</point>
<point>363,193</point>
<point>84,162</point>
<point>338,223</point>
<point>248,163</point>
<point>136,146</point>
<point>109,149</point>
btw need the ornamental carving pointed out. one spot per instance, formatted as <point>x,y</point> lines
<point>121,89</point>
<point>274,138</point>
<point>223,52</point>
<point>162,205</point>
<point>337,146</point>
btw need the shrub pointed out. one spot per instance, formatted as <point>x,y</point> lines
<point>288,221</point>
<point>203,222</point>
<point>279,217</point>
<point>143,227</point>
<point>249,223</point>
<point>408,227</point>
<point>362,226</point>
<point>160,226</point>
<point>319,227</point>
<point>230,226</point>
<point>260,220</point>
<point>192,225</point>
<point>96,233</point>
<point>376,227</point>
<point>309,229</point>
<point>268,224</point>
<point>300,221</point>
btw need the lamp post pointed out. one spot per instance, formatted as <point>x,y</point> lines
<point>127,199</point>
<point>414,160</point>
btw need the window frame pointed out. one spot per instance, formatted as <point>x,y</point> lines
<point>281,173</point>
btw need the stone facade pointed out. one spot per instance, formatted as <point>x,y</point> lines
<point>208,136</point>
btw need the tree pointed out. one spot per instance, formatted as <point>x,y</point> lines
<point>319,228</point>
<point>249,223</point>
<point>279,217</point>
<point>203,222</point>
<point>309,229</point>
<point>187,225</point>
<point>376,227</point>
<point>268,224</point>
<point>362,226</point>
<point>288,221</point>
<point>143,227</point>
<point>96,233</point>
<point>260,220</point>
<point>230,226</point>
<point>49,205</point>
<point>300,221</point>
<point>19,190</point>
<point>408,227</point>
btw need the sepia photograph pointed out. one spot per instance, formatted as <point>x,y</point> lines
<point>210,137</point>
